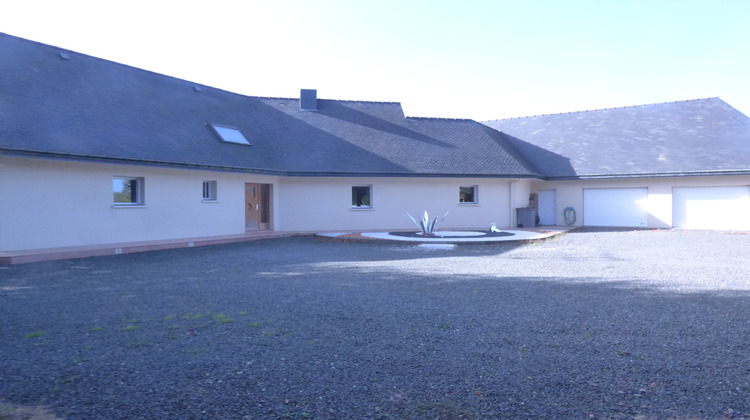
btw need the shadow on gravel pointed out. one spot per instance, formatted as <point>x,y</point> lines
<point>292,329</point>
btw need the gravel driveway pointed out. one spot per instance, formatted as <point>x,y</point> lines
<point>593,324</point>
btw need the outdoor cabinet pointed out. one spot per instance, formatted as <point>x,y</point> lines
<point>526,217</point>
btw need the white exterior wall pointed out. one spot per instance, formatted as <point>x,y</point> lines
<point>659,203</point>
<point>54,203</point>
<point>48,203</point>
<point>325,204</point>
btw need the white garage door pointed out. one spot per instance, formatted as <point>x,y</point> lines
<point>711,207</point>
<point>622,207</point>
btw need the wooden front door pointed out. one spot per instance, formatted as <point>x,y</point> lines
<point>257,206</point>
<point>252,206</point>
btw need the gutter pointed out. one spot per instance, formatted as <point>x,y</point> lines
<point>274,172</point>
<point>407,175</point>
<point>651,175</point>
<point>137,162</point>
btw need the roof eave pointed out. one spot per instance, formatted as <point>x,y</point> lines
<point>405,175</point>
<point>138,162</point>
<point>183,165</point>
<point>650,175</point>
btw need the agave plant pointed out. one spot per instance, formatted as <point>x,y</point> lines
<point>426,226</point>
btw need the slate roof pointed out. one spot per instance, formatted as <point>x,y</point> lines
<point>57,103</point>
<point>697,137</point>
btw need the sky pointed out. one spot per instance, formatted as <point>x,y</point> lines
<point>482,60</point>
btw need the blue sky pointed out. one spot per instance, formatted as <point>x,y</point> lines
<point>470,59</point>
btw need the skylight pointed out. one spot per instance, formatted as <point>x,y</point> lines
<point>229,134</point>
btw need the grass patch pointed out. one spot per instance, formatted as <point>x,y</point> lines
<point>222,318</point>
<point>192,316</point>
<point>34,334</point>
<point>97,328</point>
<point>169,317</point>
<point>198,350</point>
<point>131,327</point>
<point>254,324</point>
<point>69,380</point>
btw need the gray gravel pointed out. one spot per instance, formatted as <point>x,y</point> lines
<point>593,324</point>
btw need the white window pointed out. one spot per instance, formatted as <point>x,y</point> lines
<point>128,191</point>
<point>468,195</point>
<point>362,197</point>
<point>209,190</point>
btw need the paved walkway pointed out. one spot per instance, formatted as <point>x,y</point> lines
<point>457,236</point>
<point>62,253</point>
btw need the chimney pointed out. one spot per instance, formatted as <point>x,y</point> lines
<point>308,100</point>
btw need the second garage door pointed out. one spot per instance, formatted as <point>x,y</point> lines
<point>621,207</point>
<point>711,207</point>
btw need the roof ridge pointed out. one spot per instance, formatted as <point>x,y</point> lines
<point>362,101</point>
<point>324,99</point>
<point>604,109</point>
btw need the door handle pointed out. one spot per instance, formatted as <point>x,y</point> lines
<point>256,207</point>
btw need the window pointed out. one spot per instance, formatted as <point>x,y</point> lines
<point>468,194</point>
<point>209,190</point>
<point>229,134</point>
<point>362,197</point>
<point>127,191</point>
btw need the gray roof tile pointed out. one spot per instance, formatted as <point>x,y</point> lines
<point>91,108</point>
<point>705,136</point>
<point>79,106</point>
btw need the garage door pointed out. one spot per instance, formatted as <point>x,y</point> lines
<point>622,207</point>
<point>711,207</point>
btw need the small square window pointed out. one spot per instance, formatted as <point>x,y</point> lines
<point>362,197</point>
<point>468,194</point>
<point>128,191</point>
<point>209,190</point>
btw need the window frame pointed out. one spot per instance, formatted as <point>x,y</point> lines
<point>140,191</point>
<point>210,191</point>
<point>474,193</point>
<point>369,195</point>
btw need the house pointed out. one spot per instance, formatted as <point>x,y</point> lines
<point>93,152</point>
